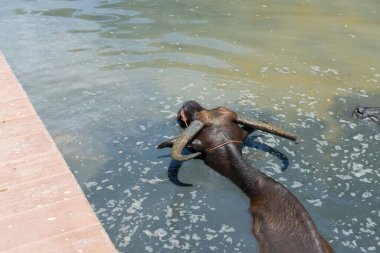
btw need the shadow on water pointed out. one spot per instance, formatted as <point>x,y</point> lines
<point>173,171</point>
<point>252,143</point>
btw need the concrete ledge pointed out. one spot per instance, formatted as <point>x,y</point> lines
<point>42,207</point>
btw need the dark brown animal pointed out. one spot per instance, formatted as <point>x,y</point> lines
<point>367,113</point>
<point>280,221</point>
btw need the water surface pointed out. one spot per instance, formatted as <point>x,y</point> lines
<point>107,78</point>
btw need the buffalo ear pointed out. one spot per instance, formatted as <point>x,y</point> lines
<point>166,144</point>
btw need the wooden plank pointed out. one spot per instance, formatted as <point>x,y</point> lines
<point>15,109</point>
<point>42,207</point>
<point>24,146</point>
<point>42,223</point>
<point>10,89</point>
<point>84,240</point>
<point>38,193</point>
<point>21,126</point>
<point>32,168</point>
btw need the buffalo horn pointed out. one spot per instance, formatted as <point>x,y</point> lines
<point>186,136</point>
<point>266,127</point>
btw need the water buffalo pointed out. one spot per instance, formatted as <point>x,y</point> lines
<point>280,221</point>
<point>367,113</point>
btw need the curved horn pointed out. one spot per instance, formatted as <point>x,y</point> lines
<point>266,127</point>
<point>184,139</point>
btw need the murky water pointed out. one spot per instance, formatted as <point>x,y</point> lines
<point>107,78</point>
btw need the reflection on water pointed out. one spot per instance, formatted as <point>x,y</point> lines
<point>108,76</point>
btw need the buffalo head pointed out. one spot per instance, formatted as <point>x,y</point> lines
<point>206,130</point>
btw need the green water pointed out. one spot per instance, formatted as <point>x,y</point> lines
<point>107,78</point>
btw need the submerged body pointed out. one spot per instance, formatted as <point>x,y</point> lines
<point>280,222</point>
<point>367,113</point>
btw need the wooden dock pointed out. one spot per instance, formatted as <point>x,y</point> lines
<point>42,207</point>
